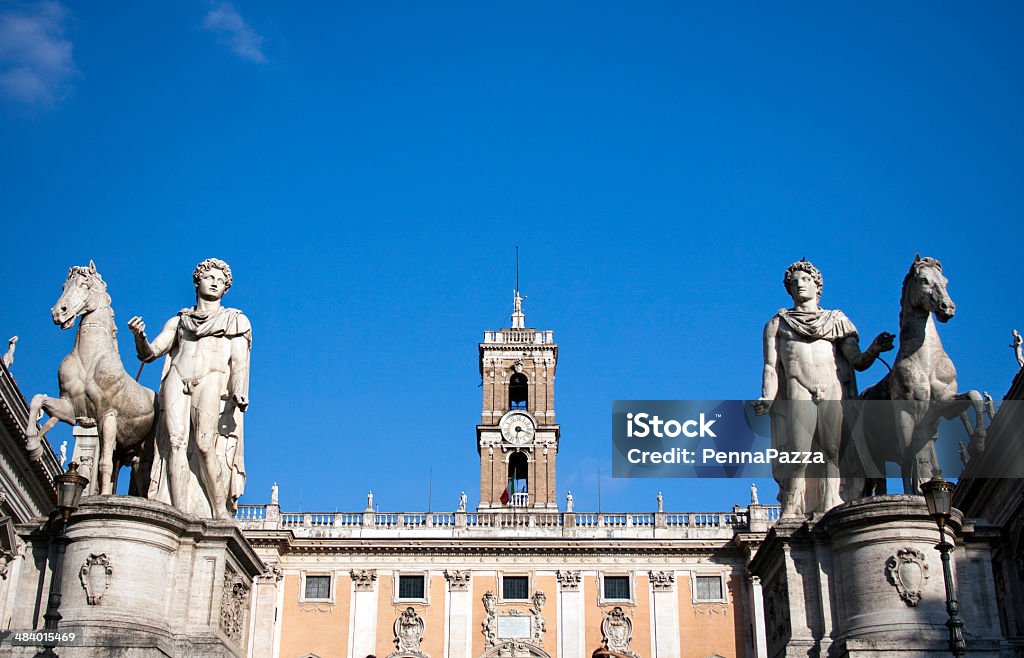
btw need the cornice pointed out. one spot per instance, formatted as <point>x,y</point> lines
<point>286,543</point>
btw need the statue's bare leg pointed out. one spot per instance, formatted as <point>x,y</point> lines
<point>802,415</point>
<point>207,413</point>
<point>175,413</point>
<point>108,441</point>
<point>830,432</point>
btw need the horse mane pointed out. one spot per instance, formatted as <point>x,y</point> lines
<point>94,275</point>
<point>915,267</point>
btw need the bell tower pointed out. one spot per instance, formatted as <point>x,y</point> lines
<point>517,437</point>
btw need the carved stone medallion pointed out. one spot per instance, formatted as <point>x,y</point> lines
<point>907,571</point>
<point>617,629</point>
<point>95,576</point>
<point>408,628</point>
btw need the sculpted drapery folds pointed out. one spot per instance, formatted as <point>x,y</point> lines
<point>198,464</point>
<point>810,355</point>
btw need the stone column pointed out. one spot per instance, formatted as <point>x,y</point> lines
<point>363,624</point>
<point>757,618</point>
<point>665,601</point>
<point>265,618</point>
<point>459,620</point>
<point>86,454</point>
<point>571,631</point>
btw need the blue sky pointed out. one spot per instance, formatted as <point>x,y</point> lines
<point>368,168</point>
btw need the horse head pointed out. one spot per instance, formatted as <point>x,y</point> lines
<point>924,290</point>
<point>84,291</point>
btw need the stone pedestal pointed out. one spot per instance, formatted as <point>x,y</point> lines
<point>862,580</point>
<point>141,579</point>
<point>86,454</point>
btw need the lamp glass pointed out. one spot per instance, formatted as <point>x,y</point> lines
<point>70,486</point>
<point>938,496</point>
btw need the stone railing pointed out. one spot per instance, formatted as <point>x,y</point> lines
<point>510,522</point>
<point>520,337</point>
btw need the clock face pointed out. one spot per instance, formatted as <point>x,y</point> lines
<point>517,428</point>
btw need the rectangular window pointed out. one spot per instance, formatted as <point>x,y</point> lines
<point>515,588</point>
<point>709,588</point>
<point>318,587</point>
<point>616,587</point>
<point>411,587</point>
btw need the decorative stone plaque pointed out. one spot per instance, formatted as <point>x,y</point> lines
<point>95,576</point>
<point>514,627</point>
<point>907,571</point>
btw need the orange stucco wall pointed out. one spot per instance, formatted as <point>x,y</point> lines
<point>639,613</point>
<point>433,616</point>
<point>711,628</point>
<point>320,628</point>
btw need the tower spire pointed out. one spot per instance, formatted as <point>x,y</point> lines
<point>518,317</point>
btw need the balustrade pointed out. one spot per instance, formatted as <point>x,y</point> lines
<point>518,515</point>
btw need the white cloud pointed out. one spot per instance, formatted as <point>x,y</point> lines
<point>35,56</point>
<point>232,29</point>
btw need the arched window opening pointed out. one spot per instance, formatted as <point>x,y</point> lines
<point>518,490</point>
<point>518,388</point>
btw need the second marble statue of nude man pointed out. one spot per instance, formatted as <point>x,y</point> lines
<point>809,358</point>
<point>204,389</point>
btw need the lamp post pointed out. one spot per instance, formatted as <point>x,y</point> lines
<point>938,495</point>
<point>70,486</point>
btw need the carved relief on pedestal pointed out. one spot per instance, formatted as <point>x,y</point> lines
<point>458,580</point>
<point>363,579</point>
<point>776,613</point>
<point>663,581</point>
<point>569,581</point>
<point>234,605</point>
<point>95,576</point>
<point>617,629</point>
<point>408,628</point>
<point>907,571</point>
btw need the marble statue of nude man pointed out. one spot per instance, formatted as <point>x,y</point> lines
<point>203,392</point>
<point>809,358</point>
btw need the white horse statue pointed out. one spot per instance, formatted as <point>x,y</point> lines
<point>95,389</point>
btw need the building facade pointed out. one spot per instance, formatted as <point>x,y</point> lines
<point>517,577</point>
<point>27,496</point>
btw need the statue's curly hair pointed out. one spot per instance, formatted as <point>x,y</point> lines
<point>212,264</point>
<point>803,265</point>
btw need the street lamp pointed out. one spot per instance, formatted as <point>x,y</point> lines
<point>70,486</point>
<point>938,495</point>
